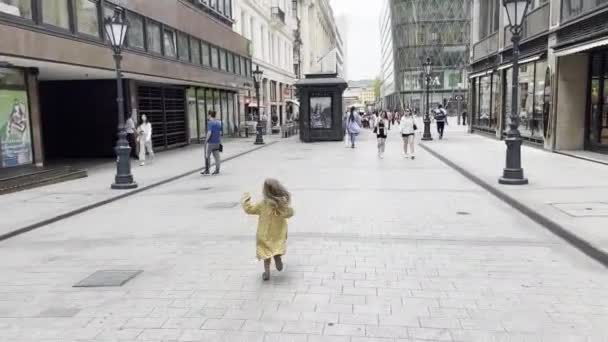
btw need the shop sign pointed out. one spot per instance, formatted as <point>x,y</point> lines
<point>15,138</point>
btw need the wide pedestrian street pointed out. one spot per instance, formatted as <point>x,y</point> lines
<point>379,250</point>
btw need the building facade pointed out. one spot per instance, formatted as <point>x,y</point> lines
<point>414,30</point>
<point>269,25</point>
<point>321,47</point>
<point>57,78</point>
<point>563,91</point>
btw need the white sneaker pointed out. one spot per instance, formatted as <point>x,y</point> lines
<point>142,164</point>
<point>406,155</point>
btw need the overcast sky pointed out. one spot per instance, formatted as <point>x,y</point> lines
<point>363,36</point>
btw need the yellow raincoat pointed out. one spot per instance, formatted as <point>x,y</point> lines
<point>271,236</point>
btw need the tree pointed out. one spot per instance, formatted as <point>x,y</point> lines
<point>377,85</point>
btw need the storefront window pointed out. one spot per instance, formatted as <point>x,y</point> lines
<point>484,118</point>
<point>184,48</point>
<point>603,131</point>
<point>15,136</point>
<point>526,99</point>
<point>231,116</point>
<point>202,112</point>
<point>209,103</point>
<point>135,33</point>
<point>86,14</point>
<point>496,103</point>
<point>217,106</point>
<point>508,98</point>
<point>153,37</point>
<point>19,8</point>
<point>55,12</point>
<point>205,54</point>
<point>537,124</point>
<point>195,50</point>
<point>215,60</point>
<point>192,117</point>
<point>225,113</point>
<point>169,43</point>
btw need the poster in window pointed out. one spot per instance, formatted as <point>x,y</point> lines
<point>320,113</point>
<point>15,139</point>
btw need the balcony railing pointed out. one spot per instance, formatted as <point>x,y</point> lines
<point>535,22</point>
<point>278,15</point>
<point>486,46</point>
<point>575,8</point>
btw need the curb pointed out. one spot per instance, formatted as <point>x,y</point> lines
<point>582,245</point>
<point>91,206</point>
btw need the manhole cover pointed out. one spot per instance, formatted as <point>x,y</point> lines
<point>107,278</point>
<point>222,205</point>
<point>463,213</point>
<point>583,209</point>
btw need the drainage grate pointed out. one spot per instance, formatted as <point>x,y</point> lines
<point>463,213</point>
<point>108,278</point>
<point>583,209</point>
<point>222,205</point>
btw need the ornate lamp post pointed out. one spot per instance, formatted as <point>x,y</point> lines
<point>513,173</point>
<point>257,79</point>
<point>427,115</point>
<point>116,31</point>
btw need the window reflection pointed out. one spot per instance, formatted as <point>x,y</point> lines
<point>19,8</point>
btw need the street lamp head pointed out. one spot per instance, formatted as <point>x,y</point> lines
<point>116,29</point>
<point>257,74</point>
<point>516,11</point>
<point>427,66</point>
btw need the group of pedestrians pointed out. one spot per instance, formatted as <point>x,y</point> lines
<point>140,139</point>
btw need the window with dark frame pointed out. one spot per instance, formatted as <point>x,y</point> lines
<point>87,20</point>
<point>153,37</point>
<point>223,66</point>
<point>56,13</point>
<point>18,8</point>
<point>135,33</point>
<point>215,59</point>
<point>169,45</point>
<point>183,47</point>
<point>205,54</point>
<point>195,50</point>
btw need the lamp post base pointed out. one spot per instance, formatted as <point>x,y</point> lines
<point>259,138</point>
<point>123,179</point>
<point>426,136</point>
<point>513,173</point>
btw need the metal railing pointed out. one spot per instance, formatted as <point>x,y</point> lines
<point>535,22</point>
<point>575,8</point>
<point>486,46</point>
<point>278,14</point>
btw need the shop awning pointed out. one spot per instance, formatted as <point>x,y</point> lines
<point>478,74</point>
<point>293,101</point>
<point>570,50</point>
<point>521,61</point>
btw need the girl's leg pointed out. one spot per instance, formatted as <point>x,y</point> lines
<point>412,143</point>
<point>278,263</point>
<point>352,140</point>
<point>266,274</point>
<point>383,145</point>
<point>405,142</point>
<point>379,146</point>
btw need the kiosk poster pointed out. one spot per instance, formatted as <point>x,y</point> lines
<point>320,113</point>
<point>15,139</point>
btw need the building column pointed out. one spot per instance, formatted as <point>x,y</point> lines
<point>35,116</point>
<point>571,102</point>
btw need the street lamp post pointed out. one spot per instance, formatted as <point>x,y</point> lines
<point>513,173</point>
<point>257,79</point>
<point>427,116</point>
<point>116,31</point>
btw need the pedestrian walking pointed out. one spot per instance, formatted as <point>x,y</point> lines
<point>130,130</point>
<point>213,143</point>
<point>144,133</point>
<point>381,130</point>
<point>273,212</point>
<point>408,128</point>
<point>353,126</point>
<point>441,118</point>
<point>464,118</point>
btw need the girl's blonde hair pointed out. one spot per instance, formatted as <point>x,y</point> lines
<point>275,194</point>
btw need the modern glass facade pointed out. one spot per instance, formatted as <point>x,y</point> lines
<point>435,29</point>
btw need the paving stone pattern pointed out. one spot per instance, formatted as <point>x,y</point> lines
<point>377,252</point>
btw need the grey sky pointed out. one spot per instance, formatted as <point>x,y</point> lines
<point>362,36</point>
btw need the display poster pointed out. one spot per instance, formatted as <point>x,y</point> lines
<point>15,138</point>
<point>320,113</point>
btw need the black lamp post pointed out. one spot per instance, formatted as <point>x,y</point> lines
<point>427,115</point>
<point>116,31</point>
<point>513,173</point>
<point>257,79</point>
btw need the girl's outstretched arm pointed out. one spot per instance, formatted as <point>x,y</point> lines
<point>250,208</point>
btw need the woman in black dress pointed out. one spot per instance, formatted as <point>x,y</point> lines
<point>381,130</point>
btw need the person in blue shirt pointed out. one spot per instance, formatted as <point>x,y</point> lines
<point>213,142</point>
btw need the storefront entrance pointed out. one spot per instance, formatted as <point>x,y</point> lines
<point>596,131</point>
<point>165,108</point>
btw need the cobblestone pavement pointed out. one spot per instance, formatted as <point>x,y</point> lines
<point>380,250</point>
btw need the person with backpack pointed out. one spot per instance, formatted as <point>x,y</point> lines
<point>353,126</point>
<point>441,118</point>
